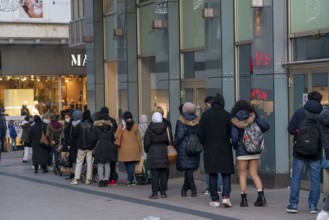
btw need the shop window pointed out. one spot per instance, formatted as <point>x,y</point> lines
<point>312,47</point>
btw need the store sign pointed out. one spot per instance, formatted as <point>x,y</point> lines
<point>78,60</point>
<point>258,94</point>
<point>262,59</point>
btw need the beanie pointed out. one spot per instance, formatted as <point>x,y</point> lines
<point>104,110</point>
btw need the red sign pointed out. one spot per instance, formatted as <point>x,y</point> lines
<point>258,94</point>
<point>262,59</point>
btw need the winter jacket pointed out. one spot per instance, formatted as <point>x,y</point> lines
<point>85,127</point>
<point>40,155</point>
<point>74,137</point>
<point>313,107</point>
<point>25,131</point>
<point>130,148</point>
<point>67,135</point>
<point>242,120</point>
<point>214,134</point>
<point>186,124</point>
<point>54,130</point>
<point>12,131</point>
<point>103,139</point>
<point>324,121</point>
<point>155,145</point>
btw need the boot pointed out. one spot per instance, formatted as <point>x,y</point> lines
<point>261,201</point>
<point>244,202</point>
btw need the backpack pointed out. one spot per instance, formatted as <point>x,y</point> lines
<point>193,146</point>
<point>308,136</point>
<point>253,139</point>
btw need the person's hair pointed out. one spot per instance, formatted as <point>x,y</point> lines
<point>242,105</point>
<point>159,109</point>
<point>208,99</point>
<point>314,96</point>
<point>128,117</point>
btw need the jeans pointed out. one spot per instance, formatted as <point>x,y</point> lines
<point>159,180</point>
<point>189,181</point>
<point>13,144</point>
<point>219,181</point>
<point>130,167</point>
<point>213,187</point>
<point>314,169</point>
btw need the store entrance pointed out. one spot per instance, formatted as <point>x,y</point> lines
<point>302,80</point>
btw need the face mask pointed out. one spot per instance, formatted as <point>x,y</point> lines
<point>67,120</point>
<point>46,121</point>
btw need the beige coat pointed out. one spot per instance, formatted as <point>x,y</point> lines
<point>130,149</point>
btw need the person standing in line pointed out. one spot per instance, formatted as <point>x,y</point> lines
<point>40,155</point>
<point>67,136</point>
<point>130,149</point>
<point>26,124</point>
<point>155,145</point>
<point>324,121</point>
<point>85,128</point>
<point>12,134</point>
<point>207,102</point>
<point>53,132</point>
<point>3,129</point>
<point>102,138</point>
<point>142,127</point>
<point>243,115</point>
<point>74,138</point>
<point>312,106</point>
<point>113,164</point>
<point>187,124</point>
<point>215,133</point>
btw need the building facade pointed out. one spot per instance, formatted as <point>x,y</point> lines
<point>145,53</point>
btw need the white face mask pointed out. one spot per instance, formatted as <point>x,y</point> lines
<point>46,121</point>
<point>67,120</point>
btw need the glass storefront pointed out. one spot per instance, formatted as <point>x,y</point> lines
<point>42,93</point>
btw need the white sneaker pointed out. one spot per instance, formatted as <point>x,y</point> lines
<point>227,203</point>
<point>214,204</point>
<point>88,182</point>
<point>74,182</point>
<point>323,215</point>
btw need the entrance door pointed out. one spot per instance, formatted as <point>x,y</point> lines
<point>302,80</point>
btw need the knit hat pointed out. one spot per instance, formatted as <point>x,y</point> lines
<point>104,110</point>
<point>86,114</point>
<point>143,119</point>
<point>156,117</point>
<point>76,115</point>
<point>189,108</point>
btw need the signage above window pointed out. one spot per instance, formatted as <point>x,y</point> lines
<point>257,3</point>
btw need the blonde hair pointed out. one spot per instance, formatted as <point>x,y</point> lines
<point>159,109</point>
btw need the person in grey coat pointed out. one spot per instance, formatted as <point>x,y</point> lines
<point>214,133</point>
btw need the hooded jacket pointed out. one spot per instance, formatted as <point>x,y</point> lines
<point>324,121</point>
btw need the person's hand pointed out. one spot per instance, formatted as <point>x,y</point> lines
<point>68,147</point>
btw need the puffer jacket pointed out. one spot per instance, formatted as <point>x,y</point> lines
<point>324,121</point>
<point>314,107</point>
<point>242,120</point>
<point>155,145</point>
<point>102,138</point>
<point>186,124</point>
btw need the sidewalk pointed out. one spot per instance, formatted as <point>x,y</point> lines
<point>25,195</point>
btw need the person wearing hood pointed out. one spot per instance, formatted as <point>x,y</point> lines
<point>214,134</point>
<point>187,123</point>
<point>313,105</point>
<point>53,132</point>
<point>40,155</point>
<point>142,127</point>
<point>26,124</point>
<point>243,115</point>
<point>74,137</point>
<point>130,149</point>
<point>102,141</point>
<point>155,144</point>
<point>85,127</point>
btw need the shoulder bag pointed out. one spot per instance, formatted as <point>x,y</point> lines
<point>118,140</point>
<point>171,151</point>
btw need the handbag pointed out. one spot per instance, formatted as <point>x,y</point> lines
<point>171,151</point>
<point>44,142</point>
<point>118,140</point>
<point>139,166</point>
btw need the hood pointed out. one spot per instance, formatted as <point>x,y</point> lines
<point>324,116</point>
<point>243,119</point>
<point>313,106</point>
<point>158,128</point>
<point>102,122</point>
<point>75,123</point>
<point>218,101</point>
<point>190,120</point>
<point>77,115</point>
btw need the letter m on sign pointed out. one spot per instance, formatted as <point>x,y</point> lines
<point>75,60</point>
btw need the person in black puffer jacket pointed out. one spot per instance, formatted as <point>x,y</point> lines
<point>102,138</point>
<point>155,145</point>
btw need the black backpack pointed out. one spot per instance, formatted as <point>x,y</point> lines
<point>193,146</point>
<point>308,136</point>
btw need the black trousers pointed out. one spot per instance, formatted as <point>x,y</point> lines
<point>159,180</point>
<point>189,181</point>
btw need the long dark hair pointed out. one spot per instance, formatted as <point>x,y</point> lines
<point>242,105</point>
<point>128,117</point>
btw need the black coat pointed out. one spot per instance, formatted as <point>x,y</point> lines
<point>155,145</point>
<point>74,137</point>
<point>85,128</point>
<point>102,139</point>
<point>40,155</point>
<point>214,133</point>
<point>324,121</point>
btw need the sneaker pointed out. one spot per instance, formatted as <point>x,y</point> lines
<point>226,203</point>
<point>291,209</point>
<point>323,215</point>
<point>206,191</point>
<point>128,184</point>
<point>74,182</point>
<point>214,204</point>
<point>88,182</point>
<point>314,211</point>
<point>113,183</point>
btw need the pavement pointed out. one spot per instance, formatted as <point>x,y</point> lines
<point>29,196</point>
